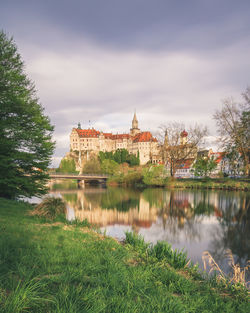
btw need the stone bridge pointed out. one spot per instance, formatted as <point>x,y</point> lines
<point>81,178</point>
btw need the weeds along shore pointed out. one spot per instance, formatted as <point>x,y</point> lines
<point>50,265</point>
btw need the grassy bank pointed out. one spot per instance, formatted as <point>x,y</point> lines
<point>58,267</point>
<point>210,183</point>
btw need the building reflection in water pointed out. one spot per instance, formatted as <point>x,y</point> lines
<point>196,220</point>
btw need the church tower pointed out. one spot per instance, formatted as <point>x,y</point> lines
<point>166,139</point>
<point>183,138</point>
<point>134,130</point>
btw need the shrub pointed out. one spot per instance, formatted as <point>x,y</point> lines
<point>133,178</point>
<point>154,175</point>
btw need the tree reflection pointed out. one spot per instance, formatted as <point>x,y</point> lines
<point>234,230</point>
<point>181,211</point>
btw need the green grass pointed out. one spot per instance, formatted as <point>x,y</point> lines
<point>210,183</point>
<point>61,267</point>
<point>136,179</point>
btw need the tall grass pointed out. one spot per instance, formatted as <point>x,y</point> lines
<point>50,208</point>
<point>237,275</point>
<point>27,294</point>
<point>161,251</point>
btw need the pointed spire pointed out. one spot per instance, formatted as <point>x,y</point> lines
<point>135,121</point>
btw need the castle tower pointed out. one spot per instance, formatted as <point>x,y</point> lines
<point>134,130</point>
<point>183,137</point>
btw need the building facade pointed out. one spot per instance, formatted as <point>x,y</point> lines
<point>91,142</point>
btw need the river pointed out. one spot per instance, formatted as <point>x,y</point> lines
<point>194,221</point>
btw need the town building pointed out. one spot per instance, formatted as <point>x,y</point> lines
<point>184,168</point>
<point>90,142</point>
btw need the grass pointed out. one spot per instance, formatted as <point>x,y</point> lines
<point>50,208</point>
<point>54,266</point>
<point>135,178</point>
<point>210,183</point>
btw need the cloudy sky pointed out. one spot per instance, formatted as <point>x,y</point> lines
<point>95,62</point>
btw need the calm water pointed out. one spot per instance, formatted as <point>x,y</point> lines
<point>191,220</point>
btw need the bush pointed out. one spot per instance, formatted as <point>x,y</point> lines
<point>133,178</point>
<point>154,175</point>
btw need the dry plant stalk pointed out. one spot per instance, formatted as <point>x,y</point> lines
<point>238,273</point>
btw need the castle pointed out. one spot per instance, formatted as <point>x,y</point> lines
<point>90,142</point>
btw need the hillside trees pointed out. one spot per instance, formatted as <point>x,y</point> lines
<point>233,122</point>
<point>120,156</point>
<point>25,132</point>
<point>67,166</point>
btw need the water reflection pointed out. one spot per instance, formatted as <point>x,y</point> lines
<point>193,220</point>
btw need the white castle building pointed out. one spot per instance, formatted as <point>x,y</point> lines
<point>91,141</point>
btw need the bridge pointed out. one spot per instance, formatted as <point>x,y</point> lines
<point>81,178</point>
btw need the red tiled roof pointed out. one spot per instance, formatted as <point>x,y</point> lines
<point>108,135</point>
<point>186,164</point>
<point>92,133</point>
<point>219,156</point>
<point>144,137</point>
<point>88,133</point>
<point>121,136</point>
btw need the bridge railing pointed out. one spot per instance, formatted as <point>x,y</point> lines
<point>75,174</point>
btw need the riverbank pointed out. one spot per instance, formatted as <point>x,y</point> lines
<point>211,183</point>
<point>58,267</point>
<point>136,179</point>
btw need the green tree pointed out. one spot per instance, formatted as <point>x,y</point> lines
<point>117,156</point>
<point>203,167</point>
<point>124,155</point>
<point>25,132</point>
<point>109,167</point>
<point>67,166</point>
<point>92,166</point>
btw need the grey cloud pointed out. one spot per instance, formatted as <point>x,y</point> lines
<point>138,23</point>
<point>100,60</point>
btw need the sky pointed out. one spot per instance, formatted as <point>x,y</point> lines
<point>96,62</point>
